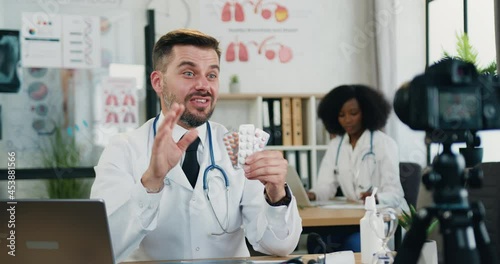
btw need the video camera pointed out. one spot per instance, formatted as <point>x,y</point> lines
<point>451,102</point>
<point>450,96</point>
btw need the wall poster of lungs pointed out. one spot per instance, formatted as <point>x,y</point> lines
<point>267,43</point>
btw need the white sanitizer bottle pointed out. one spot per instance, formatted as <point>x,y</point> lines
<point>370,243</point>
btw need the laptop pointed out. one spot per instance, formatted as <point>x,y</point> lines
<point>295,183</point>
<point>54,231</point>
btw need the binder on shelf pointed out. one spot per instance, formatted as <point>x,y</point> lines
<point>286,118</point>
<point>276,125</point>
<point>304,167</point>
<point>291,157</point>
<point>266,121</point>
<point>297,128</point>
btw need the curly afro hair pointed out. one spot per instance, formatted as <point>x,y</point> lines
<point>374,107</point>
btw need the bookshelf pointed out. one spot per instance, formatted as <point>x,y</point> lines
<point>235,109</point>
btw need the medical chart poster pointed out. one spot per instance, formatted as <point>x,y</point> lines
<point>81,42</point>
<point>119,108</point>
<point>60,41</point>
<point>267,43</point>
<point>41,40</point>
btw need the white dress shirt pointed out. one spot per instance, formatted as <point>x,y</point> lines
<point>178,222</point>
<point>358,170</point>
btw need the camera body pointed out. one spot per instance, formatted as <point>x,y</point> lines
<point>450,96</point>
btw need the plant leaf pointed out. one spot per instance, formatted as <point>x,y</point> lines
<point>490,69</point>
<point>432,226</point>
<point>413,211</point>
<point>465,50</point>
<point>61,151</point>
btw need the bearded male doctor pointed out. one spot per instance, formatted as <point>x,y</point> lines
<point>155,212</point>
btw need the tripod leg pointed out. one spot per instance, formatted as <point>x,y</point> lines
<point>481,234</point>
<point>458,235</point>
<point>409,252</point>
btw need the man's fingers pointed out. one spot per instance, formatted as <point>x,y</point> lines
<point>179,109</point>
<point>266,162</point>
<point>265,155</point>
<point>268,174</point>
<point>171,118</point>
<point>187,139</point>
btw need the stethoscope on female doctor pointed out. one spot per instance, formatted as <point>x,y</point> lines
<point>368,164</point>
<point>211,167</point>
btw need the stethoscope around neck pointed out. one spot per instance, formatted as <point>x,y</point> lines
<point>367,154</point>
<point>212,166</point>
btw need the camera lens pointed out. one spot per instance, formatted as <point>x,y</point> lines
<point>402,103</point>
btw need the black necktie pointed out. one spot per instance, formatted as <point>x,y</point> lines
<point>190,165</point>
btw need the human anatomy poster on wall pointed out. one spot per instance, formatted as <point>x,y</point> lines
<point>119,103</point>
<point>262,41</point>
<point>60,41</point>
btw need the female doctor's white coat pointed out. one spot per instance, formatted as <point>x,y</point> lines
<point>352,175</point>
<point>178,222</point>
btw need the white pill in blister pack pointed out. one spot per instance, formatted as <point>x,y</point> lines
<point>245,142</point>
<point>260,139</point>
<point>231,143</point>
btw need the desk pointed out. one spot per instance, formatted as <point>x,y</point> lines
<point>317,216</point>
<point>305,259</point>
<point>326,221</point>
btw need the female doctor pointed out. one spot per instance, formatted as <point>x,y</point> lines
<point>360,156</point>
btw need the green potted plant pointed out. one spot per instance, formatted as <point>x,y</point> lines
<point>234,84</point>
<point>466,52</point>
<point>428,254</point>
<point>406,219</point>
<point>61,153</point>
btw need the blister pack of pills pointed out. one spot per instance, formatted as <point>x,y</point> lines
<point>245,142</point>
<point>231,142</point>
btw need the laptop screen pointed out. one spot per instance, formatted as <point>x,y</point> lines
<point>54,231</point>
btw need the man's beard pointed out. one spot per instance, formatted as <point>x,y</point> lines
<point>188,118</point>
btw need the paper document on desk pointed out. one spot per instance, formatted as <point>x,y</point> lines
<point>210,261</point>
<point>232,261</point>
<point>343,206</point>
<point>340,204</point>
<point>267,261</point>
<point>340,257</point>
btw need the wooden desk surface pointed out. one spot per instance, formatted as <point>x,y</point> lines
<point>318,216</point>
<point>305,259</point>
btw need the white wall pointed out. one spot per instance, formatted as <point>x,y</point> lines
<point>340,23</point>
<point>2,9</point>
<point>410,60</point>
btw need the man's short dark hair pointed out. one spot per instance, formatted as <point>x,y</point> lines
<point>163,47</point>
<point>374,107</point>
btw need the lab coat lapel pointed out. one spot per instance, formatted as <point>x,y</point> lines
<point>177,175</point>
<point>362,147</point>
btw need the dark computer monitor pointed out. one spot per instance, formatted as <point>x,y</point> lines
<point>10,56</point>
<point>54,231</point>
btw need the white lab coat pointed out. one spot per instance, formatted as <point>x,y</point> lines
<point>354,177</point>
<point>177,223</point>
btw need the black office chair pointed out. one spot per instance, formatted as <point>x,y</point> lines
<point>410,175</point>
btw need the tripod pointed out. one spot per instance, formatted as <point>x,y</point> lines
<point>466,239</point>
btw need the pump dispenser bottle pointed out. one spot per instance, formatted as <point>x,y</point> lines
<point>370,243</point>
